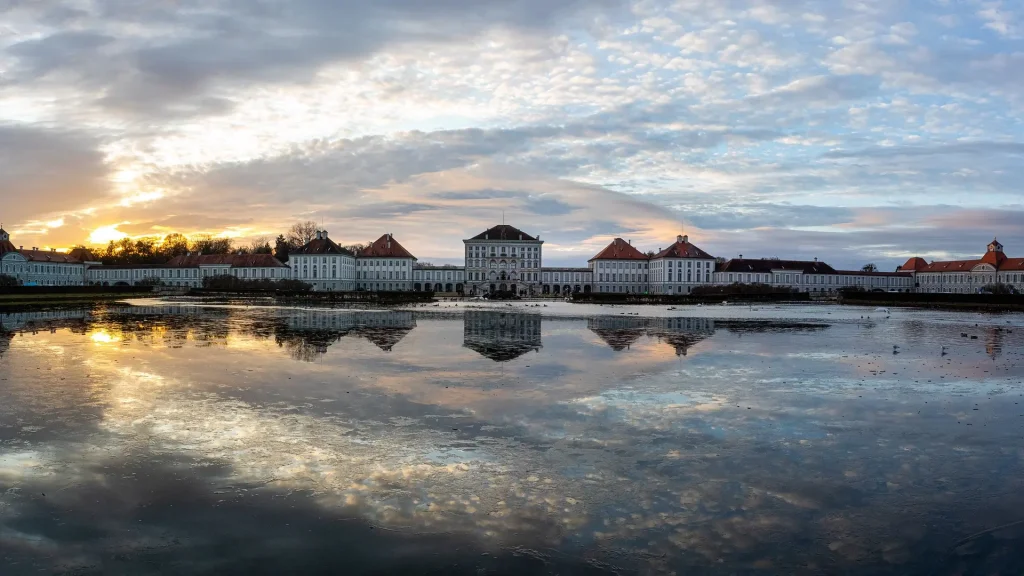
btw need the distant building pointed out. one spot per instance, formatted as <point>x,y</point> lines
<point>189,270</point>
<point>385,265</point>
<point>681,267</point>
<point>807,276</point>
<point>967,276</point>
<point>620,268</point>
<point>503,258</point>
<point>324,265</point>
<point>36,267</point>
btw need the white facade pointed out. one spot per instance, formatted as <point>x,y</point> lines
<point>324,265</point>
<point>37,267</point>
<point>968,276</point>
<point>384,274</point>
<point>622,276</point>
<point>807,276</point>
<point>503,258</point>
<point>189,271</point>
<point>385,265</point>
<point>441,279</point>
<point>680,268</point>
<point>564,281</point>
<point>43,268</point>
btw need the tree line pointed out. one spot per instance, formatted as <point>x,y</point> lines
<point>157,250</point>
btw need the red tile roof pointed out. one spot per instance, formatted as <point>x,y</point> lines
<point>385,247</point>
<point>682,248</point>
<point>232,260</point>
<point>1012,264</point>
<point>619,249</point>
<point>768,265</point>
<point>84,255</point>
<point>504,232</point>
<point>48,256</point>
<point>321,245</point>
<point>914,264</point>
<point>951,266</point>
<point>994,258</point>
<point>6,246</point>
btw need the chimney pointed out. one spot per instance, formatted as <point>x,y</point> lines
<point>325,234</point>
<point>686,238</point>
<point>679,239</point>
<point>630,242</point>
<point>741,256</point>
<point>815,258</point>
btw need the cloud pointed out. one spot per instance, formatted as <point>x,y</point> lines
<point>744,121</point>
<point>191,49</point>
<point>46,171</point>
<point>964,148</point>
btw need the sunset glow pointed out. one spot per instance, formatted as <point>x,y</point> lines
<point>858,131</point>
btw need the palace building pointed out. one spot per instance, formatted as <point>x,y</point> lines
<point>189,270</point>
<point>36,267</point>
<point>324,265</point>
<point>385,265</point>
<point>967,276</point>
<point>620,268</point>
<point>681,267</point>
<point>503,259</point>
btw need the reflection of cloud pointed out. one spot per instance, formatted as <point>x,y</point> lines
<point>747,452</point>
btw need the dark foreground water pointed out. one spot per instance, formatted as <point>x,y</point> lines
<point>219,440</point>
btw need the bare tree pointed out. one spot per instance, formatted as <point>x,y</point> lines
<point>206,244</point>
<point>869,268</point>
<point>260,245</point>
<point>301,233</point>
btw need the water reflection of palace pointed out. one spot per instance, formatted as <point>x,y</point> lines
<point>35,320</point>
<point>305,334</point>
<point>501,336</point>
<point>621,332</point>
<point>39,320</point>
<point>308,333</point>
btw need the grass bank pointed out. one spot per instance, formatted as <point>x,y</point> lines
<point>17,300</point>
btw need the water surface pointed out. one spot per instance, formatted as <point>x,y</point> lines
<point>487,439</point>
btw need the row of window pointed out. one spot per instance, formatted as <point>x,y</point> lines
<point>821,279</point>
<point>566,277</point>
<point>503,264</point>
<point>380,275</point>
<point>482,251</point>
<point>619,265</point>
<point>622,277</point>
<point>690,264</point>
<point>662,276</point>
<point>387,263</point>
<point>52,269</point>
<point>969,278</point>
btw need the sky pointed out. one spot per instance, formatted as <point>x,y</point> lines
<point>853,131</point>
